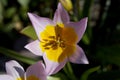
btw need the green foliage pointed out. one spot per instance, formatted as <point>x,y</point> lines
<point>109,54</point>
<point>17,56</point>
<point>110,75</point>
<point>24,3</point>
<point>85,75</point>
<point>29,31</point>
<point>69,72</point>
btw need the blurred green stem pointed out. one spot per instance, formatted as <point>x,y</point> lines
<point>86,13</point>
<point>86,74</point>
<point>86,8</point>
<point>69,72</point>
<point>17,56</point>
<point>78,9</point>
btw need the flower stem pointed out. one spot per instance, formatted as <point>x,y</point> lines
<point>69,72</point>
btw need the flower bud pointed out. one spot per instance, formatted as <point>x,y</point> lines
<point>67,4</point>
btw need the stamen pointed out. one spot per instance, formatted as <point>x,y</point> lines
<point>45,40</point>
<point>54,47</point>
<point>62,44</point>
<point>54,42</point>
<point>52,37</point>
<point>58,31</point>
<point>49,43</point>
<point>47,48</point>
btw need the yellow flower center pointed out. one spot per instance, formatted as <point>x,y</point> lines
<point>32,78</point>
<point>58,42</point>
<point>54,41</point>
<point>20,78</point>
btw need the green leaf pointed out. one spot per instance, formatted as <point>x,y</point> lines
<point>17,56</point>
<point>86,8</point>
<point>53,78</point>
<point>86,74</point>
<point>86,39</point>
<point>29,31</point>
<point>11,12</point>
<point>1,11</point>
<point>4,2</point>
<point>24,3</point>
<point>86,13</point>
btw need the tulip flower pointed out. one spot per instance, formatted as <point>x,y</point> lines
<point>57,40</point>
<point>16,72</point>
<point>67,4</point>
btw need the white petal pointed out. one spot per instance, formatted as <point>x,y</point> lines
<point>14,69</point>
<point>6,77</point>
<point>39,23</point>
<point>53,67</point>
<point>79,57</point>
<point>79,27</point>
<point>37,70</point>
<point>34,47</point>
<point>61,15</point>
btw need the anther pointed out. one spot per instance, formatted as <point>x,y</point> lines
<point>47,48</point>
<point>52,37</point>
